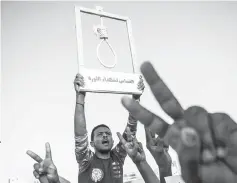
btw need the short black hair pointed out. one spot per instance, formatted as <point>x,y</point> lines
<point>92,133</point>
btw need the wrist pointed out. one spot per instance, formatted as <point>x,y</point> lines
<point>80,98</point>
<point>164,169</point>
<point>140,163</point>
<point>136,97</point>
<point>165,172</point>
<point>162,165</point>
<point>57,179</point>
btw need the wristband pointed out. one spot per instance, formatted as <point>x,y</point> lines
<point>80,99</point>
<point>81,103</point>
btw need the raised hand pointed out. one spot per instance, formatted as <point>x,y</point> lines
<point>206,143</point>
<point>44,170</point>
<point>158,150</point>
<point>133,147</point>
<point>141,87</point>
<point>79,82</point>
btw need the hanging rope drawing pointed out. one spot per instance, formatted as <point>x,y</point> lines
<point>101,32</point>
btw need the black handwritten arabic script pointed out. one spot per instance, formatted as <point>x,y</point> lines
<point>110,80</point>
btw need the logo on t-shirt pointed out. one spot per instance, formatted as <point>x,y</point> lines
<point>97,174</point>
<point>116,169</point>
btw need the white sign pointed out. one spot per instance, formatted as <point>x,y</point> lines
<point>100,81</point>
<point>110,82</point>
<point>174,179</point>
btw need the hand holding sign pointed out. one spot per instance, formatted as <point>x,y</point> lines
<point>140,87</point>
<point>205,142</point>
<point>78,83</point>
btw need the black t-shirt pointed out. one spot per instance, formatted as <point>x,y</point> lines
<point>103,170</point>
<point>93,169</point>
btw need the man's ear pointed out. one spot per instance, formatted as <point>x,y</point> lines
<point>92,144</point>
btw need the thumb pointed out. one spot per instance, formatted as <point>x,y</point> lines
<point>189,155</point>
<point>52,178</point>
<point>52,174</point>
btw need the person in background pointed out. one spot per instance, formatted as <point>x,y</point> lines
<point>135,151</point>
<point>159,151</point>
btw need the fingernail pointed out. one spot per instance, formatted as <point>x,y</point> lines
<point>221,152</point>
<point>41,170</point>
<point>189,137</point>
<point>37,176</point>
<point>207,156</point>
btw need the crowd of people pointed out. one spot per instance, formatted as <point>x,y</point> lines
<point>206,143</point>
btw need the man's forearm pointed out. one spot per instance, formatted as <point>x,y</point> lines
<point>132,123</point>
<point>79,118</point>
<point>164,173</point>
<point>147,173</point>
<point>162,160</point>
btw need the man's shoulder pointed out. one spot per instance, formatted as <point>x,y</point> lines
<point>86,162</point>
<point>116,153</point>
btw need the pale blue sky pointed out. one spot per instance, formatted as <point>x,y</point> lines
<point>191,44</point>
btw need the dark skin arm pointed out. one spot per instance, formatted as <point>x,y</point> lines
<point>159,151</point>
<point>79,117</point>
<point>132,122</point>
<point>135,151</point>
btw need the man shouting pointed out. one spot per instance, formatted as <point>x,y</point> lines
<point>106,164</point>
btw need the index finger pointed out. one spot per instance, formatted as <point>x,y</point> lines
<point>121,139</point>
<point>34,156</point>
<point>48,151</point>
<point>149,138</point>
<point>161,92</point>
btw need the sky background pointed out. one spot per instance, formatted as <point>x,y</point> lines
<point>191,44</point>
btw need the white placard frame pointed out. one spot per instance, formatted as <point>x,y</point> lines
<point>90,87</point>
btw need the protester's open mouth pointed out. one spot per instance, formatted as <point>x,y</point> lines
<point>105,142</point>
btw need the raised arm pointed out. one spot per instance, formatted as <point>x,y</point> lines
<point>83,154</point>
<point>160,153</point>
<point>131,124</point>
<point>135,151</point>
<point>79,118</point>
<point>147,173</point>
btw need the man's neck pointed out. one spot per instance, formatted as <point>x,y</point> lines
<point>102,155</point>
